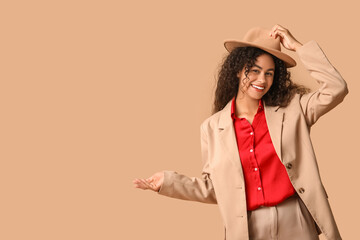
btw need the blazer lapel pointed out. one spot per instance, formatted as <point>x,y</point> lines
<point>228,138</point>
<point>274,119</point>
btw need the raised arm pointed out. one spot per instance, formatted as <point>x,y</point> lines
<point>332,88</point>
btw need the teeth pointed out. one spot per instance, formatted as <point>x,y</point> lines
<point>261,88</point>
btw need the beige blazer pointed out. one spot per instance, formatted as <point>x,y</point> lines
<point>222,180</point>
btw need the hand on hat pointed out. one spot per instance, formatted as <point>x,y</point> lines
<point>286,38</point>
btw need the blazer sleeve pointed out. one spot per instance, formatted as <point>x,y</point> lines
<point>179,186</point>
<point>332,89</point>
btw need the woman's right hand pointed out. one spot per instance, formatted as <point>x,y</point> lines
<point>152,183</point>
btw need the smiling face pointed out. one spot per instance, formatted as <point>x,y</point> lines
<point>259,78</point>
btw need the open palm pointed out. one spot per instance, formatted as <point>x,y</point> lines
<point>152,183</point>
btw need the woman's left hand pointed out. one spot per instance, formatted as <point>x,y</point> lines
<point>286,38</point>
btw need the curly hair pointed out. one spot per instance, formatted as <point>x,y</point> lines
<point>281,92</point>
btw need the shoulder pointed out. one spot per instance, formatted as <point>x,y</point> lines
<point>292,105</point>
<point>291,110</point>
<point>295,102</point>
<point>219,119</point>
<point>294,112</point>
<point>211,122</point>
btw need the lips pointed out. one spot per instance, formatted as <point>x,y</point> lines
<point>258,87</point>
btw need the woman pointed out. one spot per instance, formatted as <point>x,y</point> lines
<point>258,162</point>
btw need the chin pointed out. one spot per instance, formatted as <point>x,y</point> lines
<point>256,96</point>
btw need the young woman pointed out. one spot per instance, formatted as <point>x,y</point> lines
<point>259,165</point>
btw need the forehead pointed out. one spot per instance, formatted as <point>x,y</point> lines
<point>265,61</point>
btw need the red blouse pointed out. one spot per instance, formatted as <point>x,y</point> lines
<point>266,179</point>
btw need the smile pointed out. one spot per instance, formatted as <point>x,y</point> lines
<point>257,87</point>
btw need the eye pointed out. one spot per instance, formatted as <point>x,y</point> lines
<point>255,71</point>
<point>269,73</point>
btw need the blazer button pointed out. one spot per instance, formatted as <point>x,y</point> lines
<point>301,190</point>
<point>289,166</point>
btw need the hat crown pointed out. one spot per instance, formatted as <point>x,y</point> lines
<point>262,37</point>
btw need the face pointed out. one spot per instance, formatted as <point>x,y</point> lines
<point>260,78</point>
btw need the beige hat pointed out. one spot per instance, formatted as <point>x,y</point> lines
<point>260,38</point>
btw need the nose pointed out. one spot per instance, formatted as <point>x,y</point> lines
<point>262,78</point>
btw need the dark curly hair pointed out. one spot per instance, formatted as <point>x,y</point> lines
<point>280,93</point>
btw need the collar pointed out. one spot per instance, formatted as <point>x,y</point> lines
<point>233,115</point>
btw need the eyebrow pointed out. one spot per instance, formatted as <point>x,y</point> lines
<point>270,69</point>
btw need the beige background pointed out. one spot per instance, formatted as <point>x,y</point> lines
<point>96,93</point>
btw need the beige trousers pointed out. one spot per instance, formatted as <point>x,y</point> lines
<point>289,220</point>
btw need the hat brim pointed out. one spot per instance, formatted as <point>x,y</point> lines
<point>232,44</point>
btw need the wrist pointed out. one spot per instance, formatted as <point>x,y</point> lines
<point>297,45</point>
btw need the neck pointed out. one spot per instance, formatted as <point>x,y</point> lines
<point>246,105</point>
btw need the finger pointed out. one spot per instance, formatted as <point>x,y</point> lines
<point>280,33</point>
<point>147,184</point>
<point>142,184</point>
<point>280,27</point>
<point>144,181</point>
<point>274,27</point>
<point>136,180</point>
